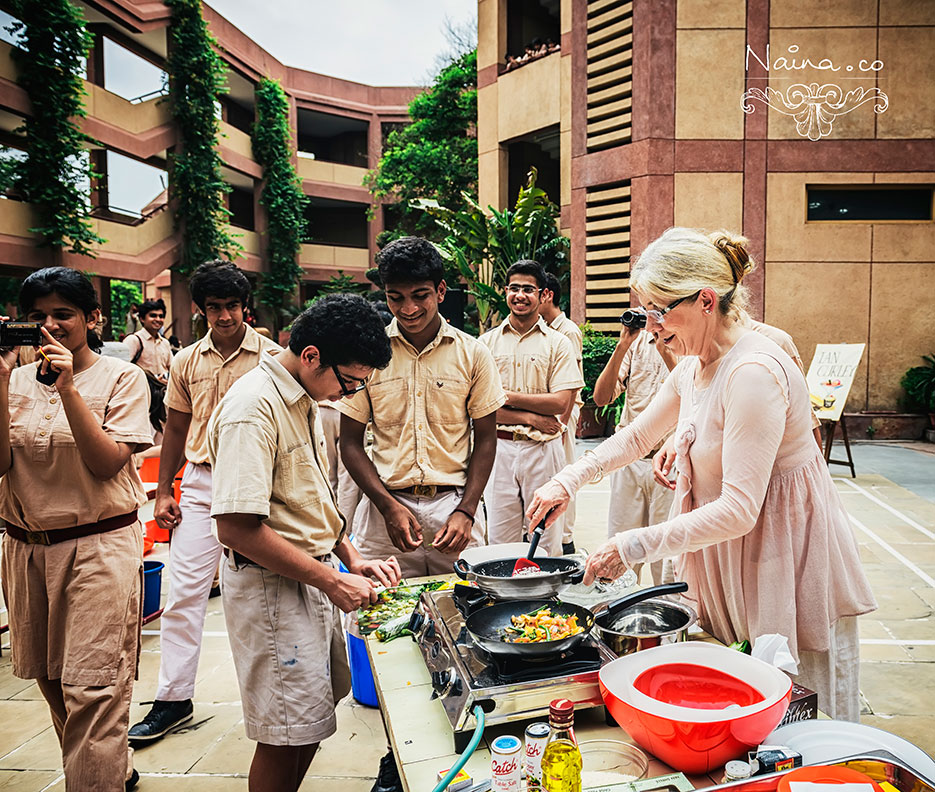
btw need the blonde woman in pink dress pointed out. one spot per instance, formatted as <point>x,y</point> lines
<point>765,542</point>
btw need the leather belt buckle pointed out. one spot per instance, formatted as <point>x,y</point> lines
<point>37,538</point>
<point>520,436</point>
<point>424,490</point>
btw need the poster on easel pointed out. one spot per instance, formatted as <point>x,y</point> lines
<point>830,377</point>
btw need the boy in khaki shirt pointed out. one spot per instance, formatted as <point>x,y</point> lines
<point>199,377</point>
<point>555,318</point>
<point>423,487</point>
<point>277,514</point>
<point>541,377</point>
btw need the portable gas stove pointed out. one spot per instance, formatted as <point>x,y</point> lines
<point>507,688</point>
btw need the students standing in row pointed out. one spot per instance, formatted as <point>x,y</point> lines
<point>73,550</point>
<point>541,377</point>
<point>200,376</point>
<point>275,511</point>
<point>424,484</point>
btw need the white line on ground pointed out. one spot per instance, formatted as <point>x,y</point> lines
<point>929,581</point>
<point>895,642</point>
<point>896,512</point>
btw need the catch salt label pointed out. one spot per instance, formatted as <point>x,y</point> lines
<point>506,760</point>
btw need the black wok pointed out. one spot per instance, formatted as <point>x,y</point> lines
<point>487,627</point>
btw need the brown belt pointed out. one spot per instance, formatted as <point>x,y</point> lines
<point>501,435</point>
<point>64,534</point>
<point>426,490</point>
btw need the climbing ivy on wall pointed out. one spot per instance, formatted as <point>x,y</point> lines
<point>197,80</point>
<point>282,195</point>
<point>55,174</point>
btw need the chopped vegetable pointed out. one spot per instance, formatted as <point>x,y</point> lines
<point>541,625</point>
<point>394,628</point>
<point>394,603</point>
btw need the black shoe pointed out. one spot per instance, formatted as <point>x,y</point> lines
<point>133,780</point>
<point>388,778</point>
<point>215,591</point>
<point>161,719</point>
<point>568,549</point>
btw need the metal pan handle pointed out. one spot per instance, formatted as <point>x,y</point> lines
<point>629,600</point>
<point>464,570</point>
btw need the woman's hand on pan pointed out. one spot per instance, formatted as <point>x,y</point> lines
<point>604,564</point>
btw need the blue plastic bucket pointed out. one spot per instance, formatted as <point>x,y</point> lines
<point>152,586</point>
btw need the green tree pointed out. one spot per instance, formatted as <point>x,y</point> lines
<point>197,79</point>
<point>55,175</point>
<point>483,246</point>
<point>434,157</point>
<point>123,294</point>
<point>282,194</point>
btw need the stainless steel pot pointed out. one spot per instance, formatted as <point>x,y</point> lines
<point>649,623</point>
<point>495,577</point>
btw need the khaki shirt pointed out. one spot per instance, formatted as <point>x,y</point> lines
<point>200,377</point>
<point>49,486</point>
<point>539,361</point>
<point>421,406</point>
<point>642,373</point>
<point>155,353</point>
<point>562,324</point>
<point>267,449</point>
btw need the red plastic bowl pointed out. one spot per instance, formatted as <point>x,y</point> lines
<point>695,705</point>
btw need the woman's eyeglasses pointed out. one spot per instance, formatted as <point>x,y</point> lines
<point>658,315</point>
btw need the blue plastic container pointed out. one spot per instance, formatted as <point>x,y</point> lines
<point>152,586</point>
<point>362,685</point>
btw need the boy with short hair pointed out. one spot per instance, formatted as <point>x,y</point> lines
<point>277,514</point>
<point>540,376</point>
<point>433,411</point>
<point>200,376</point>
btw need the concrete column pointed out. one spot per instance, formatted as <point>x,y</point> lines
<point>181,304</point>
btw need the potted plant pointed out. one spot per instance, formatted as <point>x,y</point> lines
<point>919,384</point>
<point>596,351</point>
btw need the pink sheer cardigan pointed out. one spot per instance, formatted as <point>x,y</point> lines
<point>765,542</point>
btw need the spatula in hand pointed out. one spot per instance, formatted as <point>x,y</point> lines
<point>527,562</point>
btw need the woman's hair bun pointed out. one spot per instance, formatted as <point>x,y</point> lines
<point>735,251</point>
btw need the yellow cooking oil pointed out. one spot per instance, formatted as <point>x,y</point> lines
<point>561,767</point>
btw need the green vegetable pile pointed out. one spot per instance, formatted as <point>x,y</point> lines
<point>393,604</point>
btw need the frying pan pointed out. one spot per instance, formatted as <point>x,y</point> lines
<point>486,627</point>
<point>495,577</point>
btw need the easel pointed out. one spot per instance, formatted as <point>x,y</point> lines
<point>830,427</point>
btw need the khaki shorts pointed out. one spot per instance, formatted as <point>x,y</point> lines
<point>289,655</point>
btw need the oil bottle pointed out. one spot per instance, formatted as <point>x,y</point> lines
<point>561,760</point>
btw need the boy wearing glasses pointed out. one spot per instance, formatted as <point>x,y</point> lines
<point>433,412</point>
<point>200,376</point>
<point>277,514</point>
<point>540,374</point>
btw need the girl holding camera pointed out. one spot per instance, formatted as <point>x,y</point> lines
<point>73,550</point>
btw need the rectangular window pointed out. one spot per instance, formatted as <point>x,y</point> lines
<point>870,204</point>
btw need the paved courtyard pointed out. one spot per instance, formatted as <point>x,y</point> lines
<point>892,506</point>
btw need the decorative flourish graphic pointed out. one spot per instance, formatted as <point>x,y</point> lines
<point>815,107</point>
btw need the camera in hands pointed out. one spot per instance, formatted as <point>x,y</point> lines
<point>14,334</point>
<point>633,318</point>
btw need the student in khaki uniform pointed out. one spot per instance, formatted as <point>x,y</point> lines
<point>73,550</point>
<point>541,377</point>
<point>638,367</point>
<point>555,318</point>
<point>423,487</point>
<point>277,514</point>
<point>200,376</point>
<point>149,350</point>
